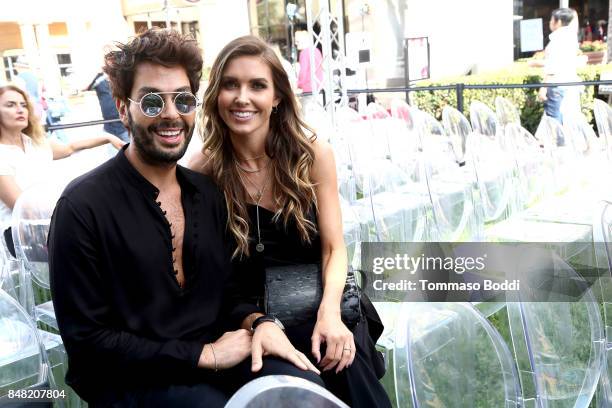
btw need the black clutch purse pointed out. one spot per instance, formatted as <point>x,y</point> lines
<point>293,294</point>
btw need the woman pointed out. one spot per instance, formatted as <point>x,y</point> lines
<point>25,152</point>
<point>280,185</point>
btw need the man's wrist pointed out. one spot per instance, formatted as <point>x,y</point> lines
<point>206,358</point>
<point>266,319</point>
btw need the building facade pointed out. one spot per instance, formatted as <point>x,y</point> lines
<point>65,39</point>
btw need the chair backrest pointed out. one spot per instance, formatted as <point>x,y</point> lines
<point>559,345</point>
<point>11,278</point>
<point>22,361</point>
<point>506,111</point>
<point>561,151</point>
<point>283,391</point>
<point>389,209</point>
<point>583,137</point>
<point>382,129</point>
<point>30,227</point>
<point>603,119</point>
<point>450,189</point>
<point>449,355</point>
<point>534,177</point>
<point>483,120</point>
<point>458,129</point>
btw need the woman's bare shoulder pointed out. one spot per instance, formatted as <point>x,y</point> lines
<point>322,149</point>
<point>200,162</point>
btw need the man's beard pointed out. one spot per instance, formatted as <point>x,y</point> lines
<point>144,141</point>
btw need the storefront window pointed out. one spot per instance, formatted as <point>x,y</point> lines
<point>275,21</point>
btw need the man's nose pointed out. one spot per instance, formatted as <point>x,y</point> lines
<point>169,110</point>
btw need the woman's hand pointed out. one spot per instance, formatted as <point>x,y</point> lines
<point>340,343</point>
<point>270,340</point>
<point>116,142</point>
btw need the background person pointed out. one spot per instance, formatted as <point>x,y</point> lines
<point>25,152</point>
<point>560,64</point>
<point>303,41</point>
<point>107,106</point>
<point>281,188</point>
<point>27,80</point>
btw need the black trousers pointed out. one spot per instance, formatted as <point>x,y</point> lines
<point>358,385</point>
<point>210,390</point>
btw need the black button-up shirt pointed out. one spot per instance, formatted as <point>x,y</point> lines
<point>123,317</point>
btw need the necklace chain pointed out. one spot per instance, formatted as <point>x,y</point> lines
<point>260,193</point>
<point>249,170</point>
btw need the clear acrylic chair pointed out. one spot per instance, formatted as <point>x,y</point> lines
<point>405,142</point>
<point>603,119</point>
<point>602,238</point>
<point>534,175</point>
<point>283,391</point>
<point>561,152</point>
<point>450,191</point>
<point>30,227</point>
<point>11,271</point>
<point>459,130</point>
<point>506,112</point>
<point>590,150</point>
<point>484,121</point>
<point>23,359</point>
<point>559,346</point>
<point>449,355</point>
<point>386,202</point>
<point>494,168</point>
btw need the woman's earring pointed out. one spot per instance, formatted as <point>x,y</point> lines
<point>274,109</point>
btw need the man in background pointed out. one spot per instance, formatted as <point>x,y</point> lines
<point>107,106</point>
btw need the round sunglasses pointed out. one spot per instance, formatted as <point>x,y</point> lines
<point>152,104</point>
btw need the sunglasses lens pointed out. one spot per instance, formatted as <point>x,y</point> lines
<point>152,105</point>
<point>185,103</point>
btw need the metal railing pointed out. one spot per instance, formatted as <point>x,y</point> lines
<point>459,88</point>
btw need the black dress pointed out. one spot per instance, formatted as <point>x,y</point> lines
<point>358,384</point>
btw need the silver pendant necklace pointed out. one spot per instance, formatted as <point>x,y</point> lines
<point>260,193</point>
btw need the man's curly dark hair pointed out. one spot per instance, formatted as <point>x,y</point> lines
<point>160,46</point>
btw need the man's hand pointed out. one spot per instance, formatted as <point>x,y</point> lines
<point>340,343</point>
<point>542,94</point>
<point>269,340</point>
<point>229,350</point>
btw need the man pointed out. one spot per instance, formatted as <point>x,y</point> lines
<point>27,80</point>
<point>140,260</point>
<point>107,106</point>
<point>560,63</point>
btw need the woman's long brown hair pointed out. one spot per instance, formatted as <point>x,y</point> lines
<point>287,144</point>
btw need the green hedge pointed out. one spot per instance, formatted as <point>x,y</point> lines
<point>525,99</point>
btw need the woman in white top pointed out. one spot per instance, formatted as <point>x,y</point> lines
<point>25,152</point>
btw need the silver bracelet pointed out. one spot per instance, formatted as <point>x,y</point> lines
<point>214,356</point>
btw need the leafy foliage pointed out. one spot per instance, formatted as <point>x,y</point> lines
<point>525,99</point>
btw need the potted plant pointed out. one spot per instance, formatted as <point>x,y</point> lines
<point>596,51</point>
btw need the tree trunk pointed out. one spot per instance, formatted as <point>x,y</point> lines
<point>609,40</point>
